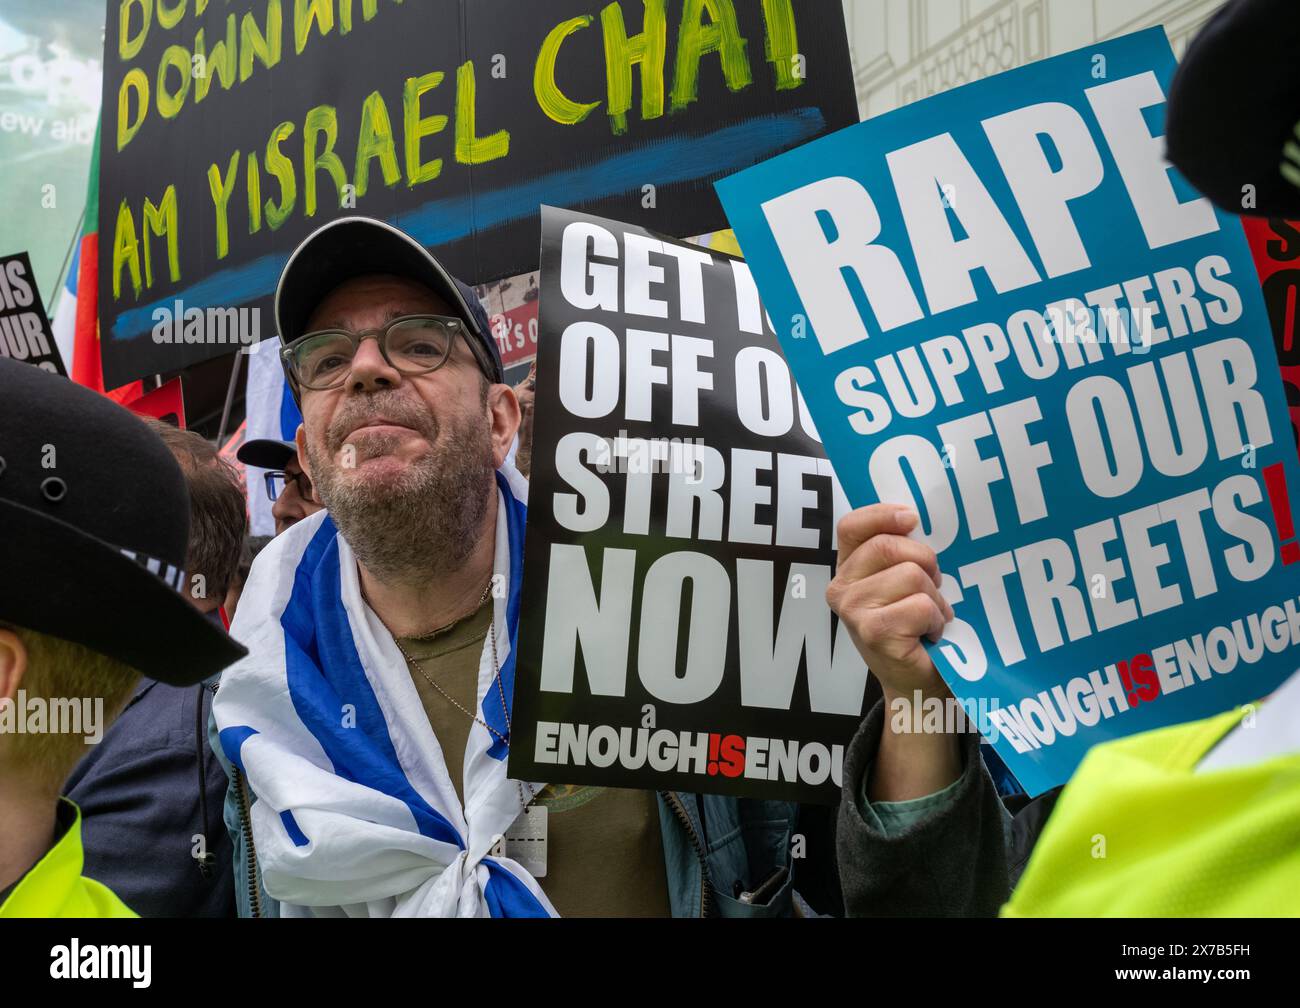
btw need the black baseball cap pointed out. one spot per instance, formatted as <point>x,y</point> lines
<point>354,246</point>
<point>267,453</point>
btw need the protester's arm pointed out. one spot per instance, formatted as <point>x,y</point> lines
<point>886,594</point>
<point>921,827</point>
<point>943,854</point>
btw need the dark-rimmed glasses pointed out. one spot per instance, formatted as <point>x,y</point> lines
<point>277,480</point>
<point>411,344</point>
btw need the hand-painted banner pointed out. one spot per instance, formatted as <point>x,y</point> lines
<point>675,632</point>
<point>231,130</point>
<point>25,332</point>
<point>1005,309</point>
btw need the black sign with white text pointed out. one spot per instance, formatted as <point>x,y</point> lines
<point>25,333</point>
<point>675,632</point>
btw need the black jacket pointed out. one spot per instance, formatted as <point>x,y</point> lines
<point>146,791</point>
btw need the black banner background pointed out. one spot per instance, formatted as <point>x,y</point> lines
<point>481,219</point>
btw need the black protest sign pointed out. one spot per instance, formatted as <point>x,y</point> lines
<point>25,333</point>
<point>674,631</point>
<point>232,130</point>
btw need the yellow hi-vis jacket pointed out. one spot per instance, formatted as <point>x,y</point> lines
<point>1138,832</point>
<point>55,887</point>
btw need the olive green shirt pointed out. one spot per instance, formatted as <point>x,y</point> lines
<point>605,853</point>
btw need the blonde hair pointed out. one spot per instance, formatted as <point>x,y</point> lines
<point>58,669</point>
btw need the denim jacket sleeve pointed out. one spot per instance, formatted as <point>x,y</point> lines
<point>232,816</point>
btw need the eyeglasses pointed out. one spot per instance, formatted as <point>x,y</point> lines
<point>276,481</point>
<point>411,344</point>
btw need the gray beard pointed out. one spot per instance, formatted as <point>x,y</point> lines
<point>429,523</point>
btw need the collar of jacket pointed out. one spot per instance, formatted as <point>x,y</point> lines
<point>55,887</point>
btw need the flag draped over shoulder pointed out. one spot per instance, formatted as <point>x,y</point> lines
<point>76,322</point>
<point>354,811</point>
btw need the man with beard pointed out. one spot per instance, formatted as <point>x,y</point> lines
<point>371,720</point>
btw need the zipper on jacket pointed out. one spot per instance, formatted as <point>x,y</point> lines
<point>246,828</point>
<point>679,810</point>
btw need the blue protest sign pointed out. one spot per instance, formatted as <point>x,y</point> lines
<point>1005,309</point>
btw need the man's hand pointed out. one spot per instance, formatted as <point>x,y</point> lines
<point>886,594</point>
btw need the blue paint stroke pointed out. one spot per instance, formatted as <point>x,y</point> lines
<point>438,222</point>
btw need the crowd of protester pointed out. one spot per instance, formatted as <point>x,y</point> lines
<point>130,579</point>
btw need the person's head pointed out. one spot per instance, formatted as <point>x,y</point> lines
<point>401,446</point>
<point>297,500</point>
<point>92,572</point>
<point>253,545</point>
<point>290,490</point>
<point>218,516</point>
<point>53,674</point>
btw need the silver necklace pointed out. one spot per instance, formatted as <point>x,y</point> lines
<point>501,692</point>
